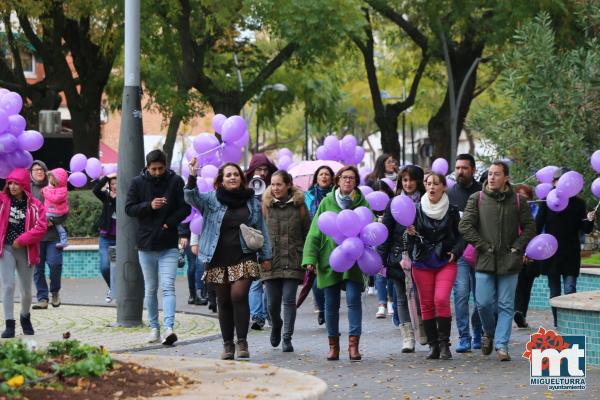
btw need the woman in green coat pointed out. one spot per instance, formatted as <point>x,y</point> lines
<point>317,249</point>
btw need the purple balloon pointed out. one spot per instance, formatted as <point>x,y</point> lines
<point>359,154</point>
<point>20,159</point>
<point>390,183</point>
<point>346,223</point>
<point>338,238</point>
<point>363,172</point>
<point>570,184</point>
<point>378,200</point>
<point>542,190</point>
<point>8,143</point>
<point>596,187</point>
<point>205,144</point>
<point>284,162</point>
<point>209,171</point>
<point>3,121</point>
<point>231,153</point>
<point>440,165</point>
<point>595,161</point>
<point>332,147</point>
<point>11,103</point>
<point>30,141</point>
<point>78,179</point>
<point>339,260</point>
<point>353,247</point>
<point>16,124</point>
<point>370,262</point>
<point>555,202</point>
<point>348,146</point>
<point>203,186</point>
<point>110,169</point>
<point>321,153</point>
<point>190,153</point>
<point>217,122</point>
<point>5,167</point>
<point>285,152</point>
<point>450,183</point>
<point>541,247</point>
<point>327,223</point>
<point>78,163</point>
<point>365,190</point>
<point>243,141</point>
<point>93,168</point>
<point>403,210</point>
<point>196,224</point>
<point>365,216</point>
<point>233,129</point>
<point>546,174</point>
<point>374,234</point>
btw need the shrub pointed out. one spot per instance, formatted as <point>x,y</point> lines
<point>84,212</point>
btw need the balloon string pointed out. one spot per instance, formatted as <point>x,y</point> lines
<point>598,205</point>
<point>526,179</point>
<point>218,148</point>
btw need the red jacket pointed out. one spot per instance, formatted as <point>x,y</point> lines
<point>35,220</point>
<point>56,199</point>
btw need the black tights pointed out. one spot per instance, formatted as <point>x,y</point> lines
<point>234,311</point>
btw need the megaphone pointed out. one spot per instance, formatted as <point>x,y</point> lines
<point>258,185</point>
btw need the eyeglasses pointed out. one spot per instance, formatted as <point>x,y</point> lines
<point>261,169</point>
<point>347,178</point>
<point>37,169</point>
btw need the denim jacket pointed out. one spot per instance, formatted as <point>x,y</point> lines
<point>213,212</point>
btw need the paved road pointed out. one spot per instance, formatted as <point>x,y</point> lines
<point>384,373</point>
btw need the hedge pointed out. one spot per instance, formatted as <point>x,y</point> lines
<point>84,212</point>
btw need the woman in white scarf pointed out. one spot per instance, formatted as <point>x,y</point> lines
<point>435,244</point>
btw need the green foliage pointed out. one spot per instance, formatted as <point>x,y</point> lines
<point>19,362</point>
<point>551,107</point>
<point>84,213</point>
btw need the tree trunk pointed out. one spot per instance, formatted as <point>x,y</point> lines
<point>439,125</point>
<point>86,128</point>
<point>172,130</point>
<point>388,126</point>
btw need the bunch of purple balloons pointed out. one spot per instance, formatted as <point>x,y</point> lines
<point>557,198</point>
<point>346,150</point>
<point>357,236</point>
<point>92,167</point>
<point>285,159</point>
<point>595,161</point>
<point>16,143</point>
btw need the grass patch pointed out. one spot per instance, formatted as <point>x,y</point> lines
<point>593,259</point>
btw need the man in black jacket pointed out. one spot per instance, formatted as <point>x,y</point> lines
<point>155,198</point>
<point>464,285</point>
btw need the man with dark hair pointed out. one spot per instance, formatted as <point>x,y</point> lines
<point>155,198</point>
<point>464,285</point>
<point>498,223</point>
<point>49,253</point>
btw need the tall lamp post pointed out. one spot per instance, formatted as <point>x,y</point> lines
<point>277,87</point>
<point>129,279</point>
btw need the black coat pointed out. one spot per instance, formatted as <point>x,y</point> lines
<point>151,233</point>
<point>565,226</point>
<point>438,236</point>
<point>109,204</point>
<point>391,250</point>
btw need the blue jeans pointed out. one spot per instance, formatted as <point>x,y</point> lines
<point>500,288</point>
<point>258,301</point>
<point>163,263</point>
<point>464,285</point>
<point>319,296</point>
<point>569,286</point>
<point>382,290</point>
<point>198,277</point>
<point>103,244</point>
<point>191,270</point>
<point>332,308</point>
<point>54,257</point>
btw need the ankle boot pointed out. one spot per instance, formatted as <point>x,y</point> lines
<point>242,348</point>
<point>353,348</point>
<point>431,332</point>
<point>228,350</point>
<point>9,332</point>
<point>444,325</point>
<point>408,337</point>
<point>334,348</point>
<point>26,324</point>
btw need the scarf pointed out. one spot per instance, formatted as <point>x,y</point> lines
<point>435,211</point>
<point>234,198</point>
<point>393,176</point>
<point>319,194</point>
<point>415,196</point>
<point>344,200</point>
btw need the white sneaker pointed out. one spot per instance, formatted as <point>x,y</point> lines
<point>390,308</point>
<point>154,336</point>
<point>380,312</point>
<point>169,338</point>
<point>108,297</point>
<point>371,291</point>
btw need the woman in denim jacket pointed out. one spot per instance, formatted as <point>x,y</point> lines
<point>230,265</point>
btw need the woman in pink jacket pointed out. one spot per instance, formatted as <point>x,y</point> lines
<point>22,227</point>
<point>56,201</point>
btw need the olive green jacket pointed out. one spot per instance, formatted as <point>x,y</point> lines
<point>494,223</point>
<point>319,246</point>
<point>288,223</point>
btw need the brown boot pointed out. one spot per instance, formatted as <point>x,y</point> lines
<point>242,348</point>
<point>334,348</point>
<point>353,348</point>
<point>228,350</point>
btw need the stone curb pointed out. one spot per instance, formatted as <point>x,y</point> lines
<point>222,380</point>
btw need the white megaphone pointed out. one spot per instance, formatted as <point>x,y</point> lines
<point>258,184</point>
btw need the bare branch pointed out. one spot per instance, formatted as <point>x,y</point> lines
<point>411,30</point>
